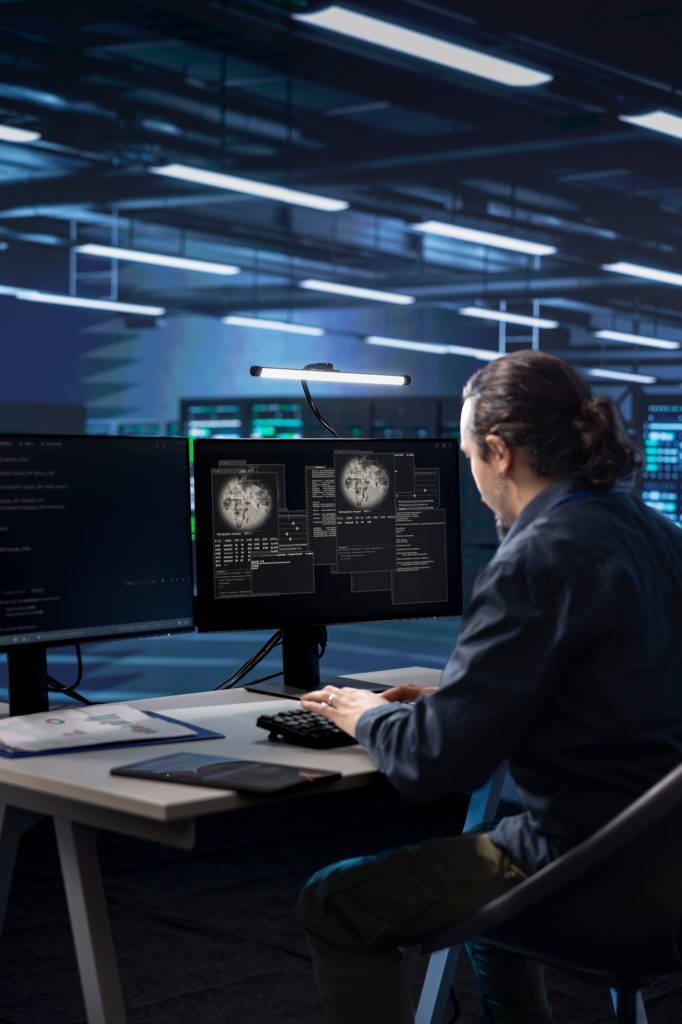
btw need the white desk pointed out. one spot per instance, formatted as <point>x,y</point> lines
<point>80,794</point>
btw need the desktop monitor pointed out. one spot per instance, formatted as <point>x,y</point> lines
<point>662,436</point>
<point>297,534</point>
<point>94,545</point>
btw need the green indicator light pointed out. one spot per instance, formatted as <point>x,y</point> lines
<point>191,450</point>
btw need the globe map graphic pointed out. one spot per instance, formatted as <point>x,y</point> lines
<point>246,504</point>
<point>365,482</point>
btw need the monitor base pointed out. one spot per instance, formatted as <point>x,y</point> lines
<point>278,688</point>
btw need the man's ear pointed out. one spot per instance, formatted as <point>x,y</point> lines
<point>501,454</point>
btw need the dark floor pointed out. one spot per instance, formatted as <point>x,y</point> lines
<point>209,937</point>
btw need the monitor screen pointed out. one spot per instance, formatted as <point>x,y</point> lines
<point>296,533</point>
<point>94,538</point>
<point>662,475</point>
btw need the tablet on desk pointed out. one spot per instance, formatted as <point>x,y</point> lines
<point>253,777</point>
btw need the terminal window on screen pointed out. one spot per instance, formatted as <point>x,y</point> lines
<point>94,538</point>
<point>373,519</point>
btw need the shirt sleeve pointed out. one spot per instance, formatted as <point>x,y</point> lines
<point>512,644</point>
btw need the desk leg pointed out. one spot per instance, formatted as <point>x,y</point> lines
<point>440,972</point>
<point>12,824</point>
<point>89,923</point>
<point>640,1012</point>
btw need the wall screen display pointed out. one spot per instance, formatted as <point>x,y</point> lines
<point>662,477</point>
<point>324,531</point>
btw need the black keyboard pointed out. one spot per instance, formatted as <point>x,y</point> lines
<point>305,729</point>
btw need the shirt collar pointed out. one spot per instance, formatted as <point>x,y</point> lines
<point>544,501</point>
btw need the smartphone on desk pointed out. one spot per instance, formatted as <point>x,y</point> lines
<point>252,777</point>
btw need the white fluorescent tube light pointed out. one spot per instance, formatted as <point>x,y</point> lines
<point>418,44</point>
<point>10,134</point>
<point>507,318</point>
<point>113,252</point>
<point>412,346</point>
<point>636,378</point>
<point>357,293</point>
<point>646,273</point>
<point>462,234</point>
<point>437,348</point>
<point>637,339</point>
<point>272,325</point>
<point>476,353</point>
<point>29,295</point>
<point>656,121</point>
<point>333,376</point>
<point>250,188</point>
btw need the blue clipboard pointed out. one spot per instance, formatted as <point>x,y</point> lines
<point>199,733</point>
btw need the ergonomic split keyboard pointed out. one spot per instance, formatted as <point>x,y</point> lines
<point>305,729</point>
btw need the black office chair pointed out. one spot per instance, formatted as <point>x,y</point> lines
<point>611,906</point>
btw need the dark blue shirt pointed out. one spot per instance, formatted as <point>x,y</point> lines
<point>568,666</point>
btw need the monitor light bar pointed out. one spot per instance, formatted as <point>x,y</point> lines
<point>333,376</point>
<point>262,324</point>
<point>637,339</point>
<point>436,348</point>
<point>635,378</point>
<point>656,121</point>
<point>113,252</point>
<point>248,187</point>
<point>333,288</point>
<point>29,295</point>
<point>10,134</point>
<point>378,32</point>
<point>646,273</point>
<point>507,318</point>
<point>464,234</point>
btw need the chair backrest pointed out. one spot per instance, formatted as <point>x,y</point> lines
<point>613,903</point>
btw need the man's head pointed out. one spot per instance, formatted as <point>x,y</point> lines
<point>529,419</point>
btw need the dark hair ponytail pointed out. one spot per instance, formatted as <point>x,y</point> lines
<point>542,404</point>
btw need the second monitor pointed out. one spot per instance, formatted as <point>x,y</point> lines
<point>294,535</point>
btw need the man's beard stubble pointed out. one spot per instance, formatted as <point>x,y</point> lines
<point>501,528</point>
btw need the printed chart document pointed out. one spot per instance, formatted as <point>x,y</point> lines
<point>70,728</point>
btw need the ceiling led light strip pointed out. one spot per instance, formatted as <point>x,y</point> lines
<point>10,134</point>
<point>378,32</point>
<point>656,121</point>
<point>435,348</point>
<point>635,378</point>
<point>272,325</point>
<point>411,346</point>
<point>507,318</point>
<point>637,339</point>
<point>246,186</point>
<point>109,305</point>
<point>645,273</point>
<point>463,234</point>
<point>333,376</point>
<point>351,290</point>
<point>113,252</point>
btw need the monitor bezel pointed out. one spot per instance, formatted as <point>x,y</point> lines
<point>210,623</point>
<point>48,642</point>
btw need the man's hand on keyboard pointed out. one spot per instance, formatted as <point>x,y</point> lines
<point>342,706</point>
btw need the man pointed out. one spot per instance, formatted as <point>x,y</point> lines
<point>568,666</point>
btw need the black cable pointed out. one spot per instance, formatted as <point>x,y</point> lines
<point>248,666</point>
<point>54,686</point>
<point>316,411</point>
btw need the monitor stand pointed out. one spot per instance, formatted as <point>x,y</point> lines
<point>27,668</point>
<point>301,666</point>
